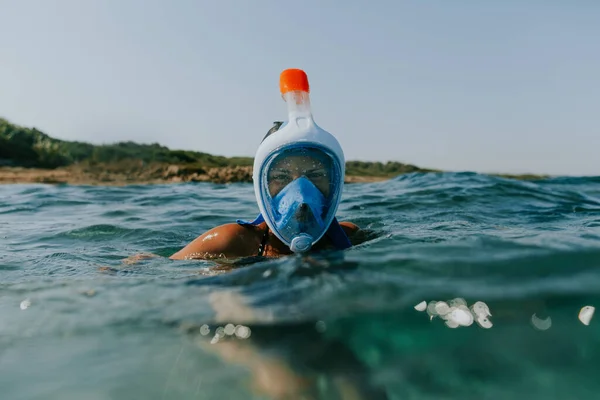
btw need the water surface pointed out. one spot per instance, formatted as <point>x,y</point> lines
<point>76,321</point>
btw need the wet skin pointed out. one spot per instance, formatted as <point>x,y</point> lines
<point>235,241</point>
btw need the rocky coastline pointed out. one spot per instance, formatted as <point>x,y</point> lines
<point>143,174</point>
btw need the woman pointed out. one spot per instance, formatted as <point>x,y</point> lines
<point>298,182</point>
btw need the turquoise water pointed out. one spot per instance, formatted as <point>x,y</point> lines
<point>77,322</point>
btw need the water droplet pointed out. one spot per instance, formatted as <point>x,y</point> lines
<point>541,324</point>
<point>229,329</point>
<point>25,304</point>
<point>481,309</point>
<point>457,302</point>
<point>204,330</point>
<point>442,308</point>
<point>451,324</point>
<point>220,331</point>
<point>462,316</point>
<point>484,323</point>
<point>422,306</point>
<point>431,308</point>
<point>586,313</point>
<point>242,332</point>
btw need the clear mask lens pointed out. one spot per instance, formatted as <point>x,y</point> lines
<point>300,188</point>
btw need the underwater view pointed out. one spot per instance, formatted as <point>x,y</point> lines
<point>468,287</point>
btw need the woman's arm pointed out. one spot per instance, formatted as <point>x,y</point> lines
<point>225,241</point>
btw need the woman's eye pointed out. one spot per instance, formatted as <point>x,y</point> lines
<point>316,175</point>
<point>280,177</point>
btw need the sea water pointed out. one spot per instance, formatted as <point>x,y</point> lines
<point>81,317</point>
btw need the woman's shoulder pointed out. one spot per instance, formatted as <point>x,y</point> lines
<point>354,233</point>
<point>349,228</point>
<point>227,240</point>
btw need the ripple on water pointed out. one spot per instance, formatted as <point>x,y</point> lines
<point>75,302</point>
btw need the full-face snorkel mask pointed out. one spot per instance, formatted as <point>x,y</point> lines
<point>298,172</point>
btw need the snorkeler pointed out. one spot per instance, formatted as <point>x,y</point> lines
<point>298,180</point>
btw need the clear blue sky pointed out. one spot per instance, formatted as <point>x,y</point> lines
<point>503,86</point>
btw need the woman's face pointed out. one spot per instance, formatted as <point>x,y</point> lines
<point>289,167</point>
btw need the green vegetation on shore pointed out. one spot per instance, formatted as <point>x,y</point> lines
<point>369,168</point>
<point>29,147</point>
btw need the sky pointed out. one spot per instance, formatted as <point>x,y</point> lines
<point>487,86</point>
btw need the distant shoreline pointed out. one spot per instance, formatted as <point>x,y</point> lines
<point>160,174</point>
<point>28,155</point>
<point>150,175</point>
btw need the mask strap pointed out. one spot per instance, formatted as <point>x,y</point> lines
<point>338,236</point>
<point>257,221</point>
